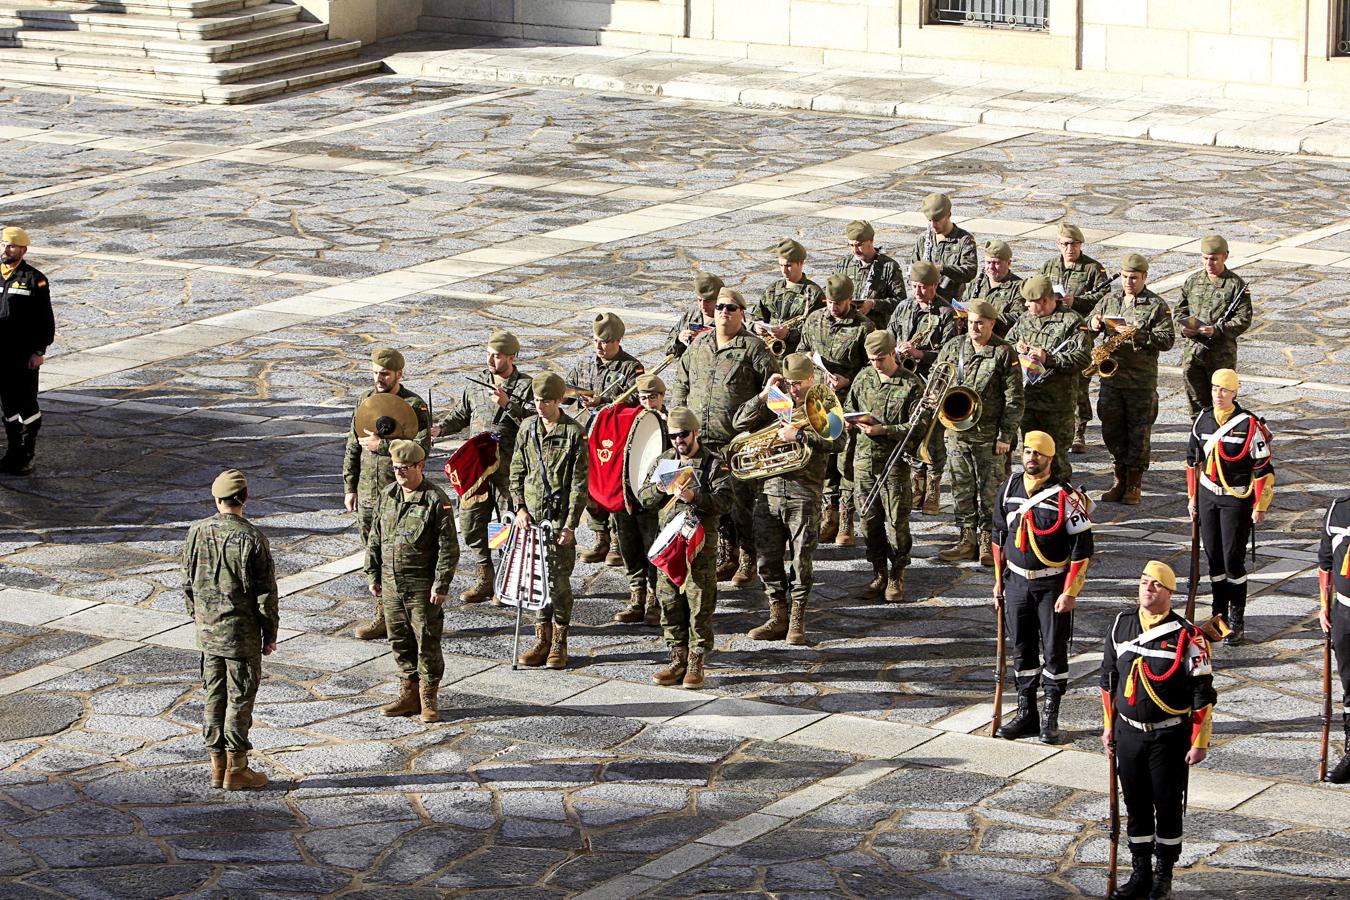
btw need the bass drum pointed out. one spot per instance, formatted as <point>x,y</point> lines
<point>647,440</point>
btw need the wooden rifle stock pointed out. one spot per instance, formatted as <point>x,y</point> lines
<point>997,720</point>
<point>1112,853</point>
<point>1326,704</point>
<point>1194,585</point>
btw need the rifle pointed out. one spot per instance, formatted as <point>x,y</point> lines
<point>1111,859</point>
<point>1002,665</point>
<point>1326,704</point>
<point>1194,586</point>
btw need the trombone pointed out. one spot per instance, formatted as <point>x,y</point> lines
<point>957,410</point>
<point>933,392</point>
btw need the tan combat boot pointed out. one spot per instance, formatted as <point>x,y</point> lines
<point>557,654</point>
<point>693,676</point>
<point>932,495</point>
<point>1117,488</point>
<point>430,712</point>
<point>238,776</point>
<point>636,608</point>
<point>986,548</point>
<point>374,631</point>
<point>543,639</point>
<point>217,768</point>
<point>776,627</point>
<point>673,673</point>
<point>747,573</point>
<point>877,586</point>
<point>918,483</point>
<point>726,558</point>
<point>614,557</point>
<point>796,633</point>
<point>1134,487</point>
<point>1079,445</point>
<point>482,588</point>
<point>652,616</point>
<point>964,549</point>
<point>895,587</point>
<point>829,524</point>
<point>845,537</point>
<point>407,703</point>
<point>598,552</point>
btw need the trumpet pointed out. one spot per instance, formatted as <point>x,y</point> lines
<point>760,454</point>
<point>958,408</point>
<point>1102,364</point>
<point>777,348</point>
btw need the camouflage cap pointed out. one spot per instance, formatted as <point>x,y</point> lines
<point>880,343</point>
<point>607,327</point>
<point>682,418</point>
<point>15,235</point>
<point>924,272</point>
<point>858,230</point>
<point>651,384</point>
<point>935,206</point>
<point>839,287</point>
<point>406,453</point>
<point>790,250</point>
<point>998,249</point>
<point>731,294</point>
<point>1213,243</point>
<point>1134,262</point>
<point>503,342</point>
<point>1037,287</point>
<point>798,366</point>
<point>1070,232</point>
<point>548,386</point>
<point>230,483</point>
<point>984,309</point>
<point>706,285</point>
<point>387,358</point>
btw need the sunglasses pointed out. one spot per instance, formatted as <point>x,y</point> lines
<point>679,435</point>
<point>728,307</point>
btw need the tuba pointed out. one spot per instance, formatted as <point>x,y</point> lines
<point>1102,364</point>
<point>958,408</point>
<point>760,454</point>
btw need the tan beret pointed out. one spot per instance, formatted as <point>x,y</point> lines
<point>998,249</point>
<point>1162,573</point>
<point>1070,232</point>
<point>858,230</point>
<point>1039,441</point>
<point>839,287</point>
<point>682,418</point>
<point>607,327</point>
<point>924,272</point>
<point>798,366</point>
<point>880,343</point>
<point>230,483</point>
<point>1225,378</point>
<point>387,358</point>
<point>982,308</point>
<point>790,250</point>
<point>1134,262</point>
<point>732,295</point>
<point>1213,243</point>
<point>651,384</point>
<point>935,206</point>
<point>548,387</point>
<point>706,285</point>
<point>1037,287</point>
<point>406,453</point>
<point>503,342</point>
<point>15,235</point>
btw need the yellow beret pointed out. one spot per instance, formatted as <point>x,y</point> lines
<point>798,366</point>
<point>858,230</point>
<point>732,295</point>
<point>924,272</point>
<point>880,342</point>
<point>1036,287</point>
<point>651,384</point>
<point>15,235</point>
<point>406,453</point>
<point>682,418</point>
<point>982,308</point>
<point>607,327</point>
<point>504,342</point>
<point>1213,243</point>
<point>706,285</point>
<point>1039,441</point>
<point>839,287</point>
<point>790,250</point>
<point>1134,262</point>
<point>1072,232</point>
<point>387,358</point>
<point>1162,573</point>
<point>548,387</point>
<point>998,249</point>
<point>935,206</point>
<point>230,483</point>
<point>1225,378</point>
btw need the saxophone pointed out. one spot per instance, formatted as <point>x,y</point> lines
<point>1102,364</point>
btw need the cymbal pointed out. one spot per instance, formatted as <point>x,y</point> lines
<point>388,415</point>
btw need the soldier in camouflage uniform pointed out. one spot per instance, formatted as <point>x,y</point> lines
<point>366,469</point>
<point>922,326</point>
<point>498,410</point>
<point>837,334</point>
<point>722,369</point>
<point>1128,402</point>
<point>607,372</point>
<point>687,612</point>
<point>790,297</point>
<point>1000,286</point>
<point>949,247</point>
<point>698,318</point>
<point>787,511</point>
<point>230,586</point>
<point>1220,303</point>
<point>637,530</point>
<point>987,364</point>
<point>878,280</point>
<point>548,485</point>
<point>1081,282</point>
<point>890,394</point>
<point>1051,336</point>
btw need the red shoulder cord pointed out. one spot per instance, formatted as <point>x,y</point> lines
<point>1029,521</point>
<point>1246,444</point>
<point>1142,663</point>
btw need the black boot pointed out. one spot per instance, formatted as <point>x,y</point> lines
<point>1236,621</point>
<point>1141,877</point>
<point>1341,774</point>
<point>1027,721</point>
<point>23,465</point>
<point>14,435</point>
<point>1162,880</point>
<point>1050,733</point>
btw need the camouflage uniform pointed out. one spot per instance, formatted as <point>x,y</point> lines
<point>548,478</point>
<point>477,410</point>
<point>1050,404</point>
<point>882,280</point>
<point>691,318</point>
<point>231,590</point>
<point>892,402</point>
<point>954,255</point>
<point>1006,297</point>
<point>784,300</point>
<point>687,614</point>
<point>367,472</point>
<point>930,330</point>
<point>412,554</point>
<point>840,345</point>
<point>609,378</point>
<point>977,472</point>
<point>1128,402</point>
<point>1087,282</point>
<point>1226,303</point>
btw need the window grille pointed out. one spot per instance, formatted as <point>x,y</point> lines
<point>1031,15</point>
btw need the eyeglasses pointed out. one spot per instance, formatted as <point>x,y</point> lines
<point>728,307</point>
<point>679,435</point>
<point>404,470</point>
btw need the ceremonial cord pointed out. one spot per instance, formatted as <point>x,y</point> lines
<point>1141,665</point>
<point>1027,532</point>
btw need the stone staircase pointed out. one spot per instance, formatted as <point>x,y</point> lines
<point>199,51</point>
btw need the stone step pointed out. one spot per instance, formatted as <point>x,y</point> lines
<point>185,8</point>
<point>95,21</point>
<point>168,48</point>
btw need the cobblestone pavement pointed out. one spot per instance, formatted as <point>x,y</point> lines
<point>220,276</point>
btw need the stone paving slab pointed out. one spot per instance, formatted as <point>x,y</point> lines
<point>37,607</point>
<point>112,621</point>
<point>749,718</point>
<point>645,703</point>
<point>327,654</point>
<point>850,734</point>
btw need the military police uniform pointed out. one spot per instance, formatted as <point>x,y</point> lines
<point>411,556</point>
<point>230,586</point>
<point>1087,283</point>
<point>1225,303</point>
<point>953,253</point>
<point>1333,577</point>
<point>882,280</point>
<point>1004,295</point>
<point>27,328</point>
<point>784,300</point>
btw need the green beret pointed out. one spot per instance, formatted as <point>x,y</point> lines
<point>798,366</point>
<point>1036,287</point>
<point>1072,232</point>
<point>503,342</point>
<point>924,272</point>
<point>230,483</point>
<point>790,250</point>
<point>682,418</point>
<point>880,342</point>
<point>1213,243</point>
<point>858,230</point>
<point>387,358</point>
<point>732,295</point>
<point>1134,262</point>
<point>935,206</point>
<point>607,327</point>
<point>406,453</point>
<point>839,287</point>
<point>984,309</point>
<point>548,387</point>
<point>706,285</point>
<point>998,249</point>
<point>651,384</point>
